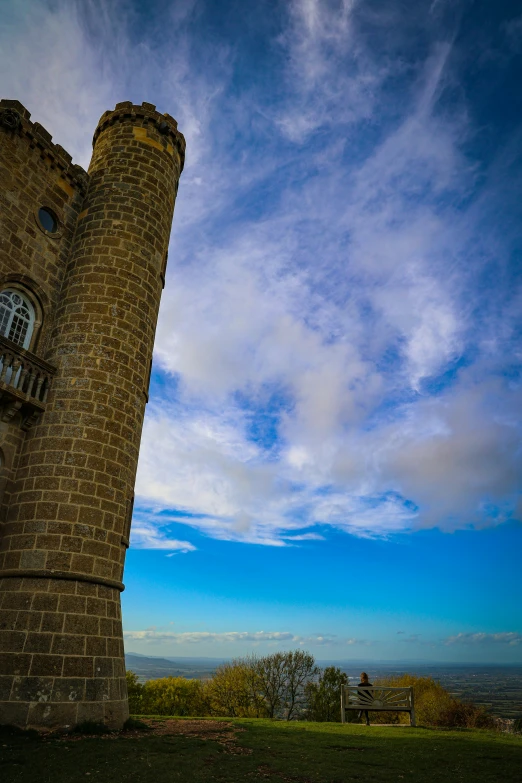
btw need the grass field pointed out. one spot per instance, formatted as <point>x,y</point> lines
<point>252,750</point>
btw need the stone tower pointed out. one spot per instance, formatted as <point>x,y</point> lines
<point>82,266</point>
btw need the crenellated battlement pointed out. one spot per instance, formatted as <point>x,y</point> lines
<point>15,118</point>
<point>144,114</point>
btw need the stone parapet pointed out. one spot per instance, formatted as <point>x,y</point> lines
<point>146,116</point>
<point>15,118</point>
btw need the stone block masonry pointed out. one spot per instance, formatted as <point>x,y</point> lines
<point>68,473</point>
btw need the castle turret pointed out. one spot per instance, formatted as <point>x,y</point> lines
<point>68,521</point>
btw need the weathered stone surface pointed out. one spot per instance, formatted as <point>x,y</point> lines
<point>66,484</point>
<point>32,689</point>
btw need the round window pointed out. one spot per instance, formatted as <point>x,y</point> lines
<point>48,220</point>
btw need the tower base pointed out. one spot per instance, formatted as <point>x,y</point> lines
<point>61,654</point>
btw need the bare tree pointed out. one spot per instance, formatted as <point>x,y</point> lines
<point>270,685</point>
<point>271,677</point>
<point>299,668</point>
<point>254,685</point>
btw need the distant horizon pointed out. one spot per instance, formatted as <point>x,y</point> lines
<point>351,661</point>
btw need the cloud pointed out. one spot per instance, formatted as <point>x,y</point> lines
<point>305,537</point>
<point>152,636</point>
<point>67,87</point>
<point>321,40</point>
<point>109,52</point>
<point>199,637</point>
<point>511,638</point>
<point>464,441</point>
<point>199,463</point>
<point>338,342</point>
<point>149,536</point>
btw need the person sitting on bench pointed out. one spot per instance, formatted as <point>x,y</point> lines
<point>364,681</point>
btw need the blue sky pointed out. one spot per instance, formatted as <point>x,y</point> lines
<point>331,455</point>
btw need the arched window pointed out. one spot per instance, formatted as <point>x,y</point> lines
<point>16,317</point>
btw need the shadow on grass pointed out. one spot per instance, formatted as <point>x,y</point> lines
<point>14,731</point>
<point>280,752</point>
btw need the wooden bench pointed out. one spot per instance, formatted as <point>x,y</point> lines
<point>377,698</point>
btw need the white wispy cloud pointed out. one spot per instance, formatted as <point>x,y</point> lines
<point>304,537</point>
<point>68,86</point>
<point>319,42</point>
<point>150,536</point>
<point>329,237</point>
<point>152,636</point>
<point>510,638</point>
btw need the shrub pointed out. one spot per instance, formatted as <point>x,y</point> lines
<point>135,693</point>
<point>234,691</point>
<point>173,696</point>
<point>458,714</point>
<point>166,696</point>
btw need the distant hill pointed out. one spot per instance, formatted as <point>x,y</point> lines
<point>145,662</point>
<point>151,667</point>
<point>182,659</point>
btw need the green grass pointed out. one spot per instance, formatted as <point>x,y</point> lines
<point>275,752</point>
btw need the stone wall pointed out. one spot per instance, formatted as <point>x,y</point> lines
<point>68,521</point>
<point>63,662</point>
<point>34,172</point>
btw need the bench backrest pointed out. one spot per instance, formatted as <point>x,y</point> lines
<point>376,697</point>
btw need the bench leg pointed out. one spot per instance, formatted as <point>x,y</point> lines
<point>413,721</point>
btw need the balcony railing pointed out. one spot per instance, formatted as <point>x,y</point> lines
<point>25,380</point>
